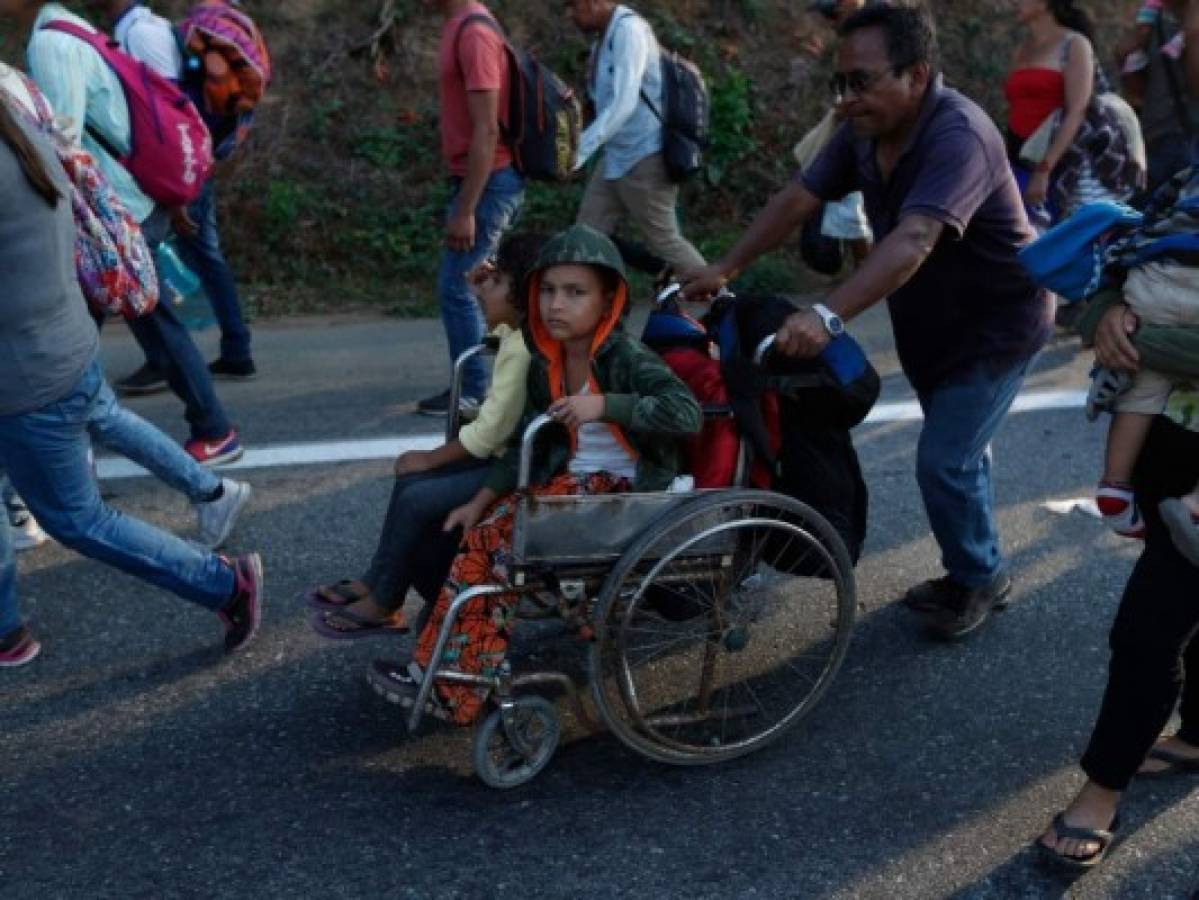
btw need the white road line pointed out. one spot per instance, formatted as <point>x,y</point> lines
<point>325,452</point>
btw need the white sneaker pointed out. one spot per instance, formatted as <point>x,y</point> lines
<point>26,532</point>
<point>217,517</point>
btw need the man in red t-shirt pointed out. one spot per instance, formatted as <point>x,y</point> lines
<point>473,76</point>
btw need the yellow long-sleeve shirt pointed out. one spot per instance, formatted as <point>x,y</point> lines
<point>505,401</point>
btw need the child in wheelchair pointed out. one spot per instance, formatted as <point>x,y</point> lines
<point>619,411</point>
<point>412,550</point>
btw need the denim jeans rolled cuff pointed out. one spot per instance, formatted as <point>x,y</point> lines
<point>45,453</point>
<point>953,466</point>
<point>413,551</point>
<point>460,313</point>
<point>202,254</point>
<point>127,434</point>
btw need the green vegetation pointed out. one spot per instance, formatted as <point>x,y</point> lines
<point>338,198</point>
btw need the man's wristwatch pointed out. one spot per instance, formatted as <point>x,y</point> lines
<point>832,322</point>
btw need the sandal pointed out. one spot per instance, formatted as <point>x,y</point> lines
<point>336,595</point>
<point>1106,386</point>
<point>1092,835</point>
<point>1176,764</point>
<point>360,625</point>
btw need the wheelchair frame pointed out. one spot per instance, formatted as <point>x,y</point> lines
<point>581,549</point>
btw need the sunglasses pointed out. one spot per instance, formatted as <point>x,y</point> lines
<point>858,82</point>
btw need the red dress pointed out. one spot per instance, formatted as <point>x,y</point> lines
<point>1033,94</point>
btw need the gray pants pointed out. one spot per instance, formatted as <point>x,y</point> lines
<point>645,195</point>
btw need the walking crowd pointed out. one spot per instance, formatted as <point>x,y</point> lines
<point>938,203</point>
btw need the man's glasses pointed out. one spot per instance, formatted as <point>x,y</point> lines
<point>857,82</point>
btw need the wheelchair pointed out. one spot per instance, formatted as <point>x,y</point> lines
<point>715,620</point>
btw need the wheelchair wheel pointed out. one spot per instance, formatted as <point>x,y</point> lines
<point>718,631</point>
<point>508,757</point>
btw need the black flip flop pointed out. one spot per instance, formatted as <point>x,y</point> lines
<point>363,627</point>
<point>1092,835</point>
<point>1176,764</point>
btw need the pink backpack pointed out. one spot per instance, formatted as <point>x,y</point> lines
<point>170,151</point>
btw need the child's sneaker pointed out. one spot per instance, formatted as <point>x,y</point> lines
<point>18,648</point>
<point>216,452</point>
<point>216,518</point>
<point>1118,505</point>
<point>26,532</point>
<point>1106,386</point>
<point>1184,528</point>
<point>243,614</point>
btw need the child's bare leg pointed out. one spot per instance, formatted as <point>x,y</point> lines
<point>1116,499</point>
<point>1125,439</point>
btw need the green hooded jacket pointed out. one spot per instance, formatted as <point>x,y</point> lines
<point>645,404</point>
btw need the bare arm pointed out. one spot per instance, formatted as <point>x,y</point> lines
<point>1079,76</point>
<point>424,460</point>
<point>786,211</point>
<point>888,267</point>
<point>483,107</point>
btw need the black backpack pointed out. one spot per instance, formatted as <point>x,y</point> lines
<point>816,463</point>
<point>685,117</point>
<point>544,115</point>
<point>686,112</point>
<point>820,252</point>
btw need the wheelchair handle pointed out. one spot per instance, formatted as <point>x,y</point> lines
<point>490,345</point>
<point>526,449</point>
<point>764,348</point>
<point>675,287</point>
<point>666,293</point>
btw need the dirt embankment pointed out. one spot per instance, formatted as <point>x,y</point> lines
<point>336,199</point>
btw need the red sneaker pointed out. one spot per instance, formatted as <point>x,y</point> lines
<point>18,648</point>
<point>217,451</point>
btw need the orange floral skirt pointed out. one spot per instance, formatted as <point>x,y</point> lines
<point>479,640</point>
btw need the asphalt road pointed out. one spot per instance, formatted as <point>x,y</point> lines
<point>136,762</point>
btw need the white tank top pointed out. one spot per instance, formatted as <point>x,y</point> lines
<point>598,450</point>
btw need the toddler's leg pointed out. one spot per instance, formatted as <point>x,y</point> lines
<point>1115,499</point>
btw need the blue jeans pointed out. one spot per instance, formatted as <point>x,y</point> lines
<point>45,453</point>
<point>460,313</point>
<point>117,429</point>
<point>202,254</point>
<point>169,349</point>
<point>413,551</point>
<point>953,466</point>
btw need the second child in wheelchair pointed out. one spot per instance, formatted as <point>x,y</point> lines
<point>413,551</point>
<point>619,411</point>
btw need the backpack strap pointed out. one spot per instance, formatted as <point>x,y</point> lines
<point>610,35</point>
<point>102,45</point>
<point>513,70</point>
<point>43,115</point>
<point>1180,108</point>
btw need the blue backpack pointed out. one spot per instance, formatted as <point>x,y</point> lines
<point>1069,259</point>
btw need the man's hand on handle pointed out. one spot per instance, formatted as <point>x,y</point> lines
<point>802,335</point>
